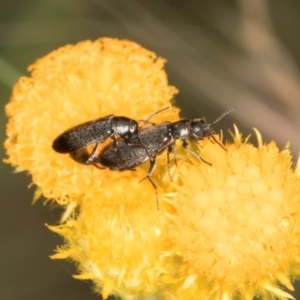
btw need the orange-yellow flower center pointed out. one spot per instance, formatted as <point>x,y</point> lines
<point>238,221</point>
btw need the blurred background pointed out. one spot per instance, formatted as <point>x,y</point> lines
<point>220,53</point>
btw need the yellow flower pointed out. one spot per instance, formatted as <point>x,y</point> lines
<point>236,224</point>
<point>72,85</point>
<point>226,230</point>
<point>76,84</point>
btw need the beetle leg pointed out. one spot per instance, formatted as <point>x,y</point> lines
<point>150,171</point>
<point>169,150</point>
<point>82,156</point>
<point>197,155</point>
<point>185,144</point>
<point>144,148</point>
<point>93,154</point>
<point>113,136</point>
<point>128,142</point>
<point>97,166</point>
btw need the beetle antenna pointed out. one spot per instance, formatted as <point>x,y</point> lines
<point>216,121</point>
<point>224,114</point>
<point>151,116</point>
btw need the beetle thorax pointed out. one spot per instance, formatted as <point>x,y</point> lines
<point>181,130</point>
<point>124,127</point>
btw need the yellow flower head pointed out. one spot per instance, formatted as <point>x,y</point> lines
<point>76,84</point>
<point>237,223</point>
<point>226,230</point>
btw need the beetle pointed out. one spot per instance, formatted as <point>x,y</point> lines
<point>97,131</point>
<point>155,139</point>
<point>127,156</point>
<point>94,132</point>
<point>149,143</point>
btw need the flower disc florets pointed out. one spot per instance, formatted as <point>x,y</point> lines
<point>237,222</point>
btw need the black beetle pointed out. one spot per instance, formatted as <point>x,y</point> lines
<point>149,143</point>
<point>96,132</point>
